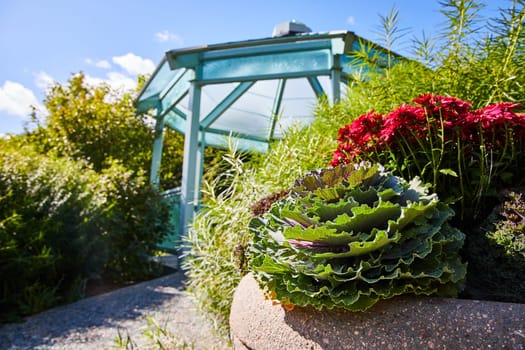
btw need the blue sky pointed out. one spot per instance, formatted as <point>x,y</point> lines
<point>114,40</point>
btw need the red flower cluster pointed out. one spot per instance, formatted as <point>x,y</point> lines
<point>433,116</point>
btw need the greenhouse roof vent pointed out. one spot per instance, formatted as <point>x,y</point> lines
<point>290,28</point>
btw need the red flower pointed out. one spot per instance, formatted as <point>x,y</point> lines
<point>344,133</point>
<point>366,128</point>
<point>409,129</point>
<point>339,158</point>
<point>404,121</point>
<point>492,119</point>
<point>436,102</point>
<point>499,113</point>
<point>448,109</point>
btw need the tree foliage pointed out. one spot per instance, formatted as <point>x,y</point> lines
<point>94,124</point>
<point>99,125</point>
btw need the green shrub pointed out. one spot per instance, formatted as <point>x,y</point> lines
<point>136,220</point>
<point>496,252</point>
<point>352,235</point>
<point>61,224</point>
<point>49,230</point>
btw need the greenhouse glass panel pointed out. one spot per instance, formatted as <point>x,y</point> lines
<point>250,114</point>
<point>266,66</point>
<point>175,121</point>
<point>242,144</point>
<point>297,108</point>
<point>177,89</point>
<point>213,95</point>
<point>162,76</point>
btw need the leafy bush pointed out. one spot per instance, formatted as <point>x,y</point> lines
<point>95,124</point>
<point>61,224</point>
<point>496,252</point>
<point>136,220</point>
<point>350,236</point>
<point>464,154</point>
<point>100,126</point>
<point>49,230</point>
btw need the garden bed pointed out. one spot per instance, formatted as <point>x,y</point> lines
<point>403,322</point>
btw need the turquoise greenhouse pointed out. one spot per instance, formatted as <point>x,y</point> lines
<point>249,91</point>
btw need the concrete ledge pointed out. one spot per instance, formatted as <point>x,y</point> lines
<point>406,322</point>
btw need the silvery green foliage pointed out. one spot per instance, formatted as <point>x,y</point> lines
<point>352,235</point>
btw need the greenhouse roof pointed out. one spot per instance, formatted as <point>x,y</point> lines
<point>253,89</point>
<point>250,91</point>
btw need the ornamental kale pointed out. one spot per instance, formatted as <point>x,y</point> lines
<point>354,234</point>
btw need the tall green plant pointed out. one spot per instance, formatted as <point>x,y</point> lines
<point>506,51</point>
<point>470,57</point>
<point>50,214</point>
<point>215,244</point>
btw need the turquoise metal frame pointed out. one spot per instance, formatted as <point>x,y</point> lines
<point>182,74</point>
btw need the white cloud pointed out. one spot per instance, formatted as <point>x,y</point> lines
<point>120,81</point>
<point>44,80</point>
<point>351,21</point>
<point>134,64</point>
<point>93,81</point>
<point>16,99</point>
<point>165,36</point>
<point>117,81</point>
<point>99,63</point>
<point>125,80</point>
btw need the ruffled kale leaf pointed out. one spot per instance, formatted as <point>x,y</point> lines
<point>352,235</point>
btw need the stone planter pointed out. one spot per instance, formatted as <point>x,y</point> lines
<point>405,322</point>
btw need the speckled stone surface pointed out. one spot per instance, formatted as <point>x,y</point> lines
<point>94,323</point>
<point>406,322</point>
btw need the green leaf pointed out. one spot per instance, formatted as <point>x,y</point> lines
<point>364,218</point>
<point>448,172</point>
<point>320,234</point>
<point>329,211</point>
<point>268,265</point>
<point>363,176</point>
<point>360,248</point>
<point>298,217</point>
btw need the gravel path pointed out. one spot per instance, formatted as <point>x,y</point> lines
<point>96,322</point>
